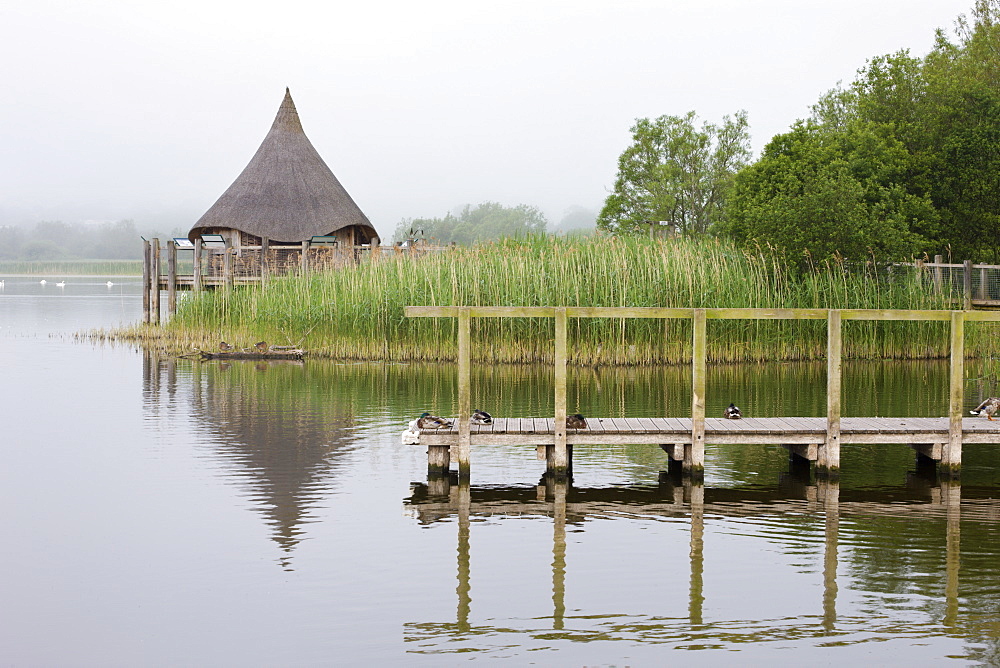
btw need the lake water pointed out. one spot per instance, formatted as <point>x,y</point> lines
<point>171,512</point>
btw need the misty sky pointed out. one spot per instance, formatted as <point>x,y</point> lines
<point>128,109</point>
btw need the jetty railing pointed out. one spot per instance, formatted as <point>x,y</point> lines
<point>966,283</point>
<point>828,452</point>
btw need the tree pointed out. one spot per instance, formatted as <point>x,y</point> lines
<point>819,193</point>
<point>489,220</point>
<point>676,173</point>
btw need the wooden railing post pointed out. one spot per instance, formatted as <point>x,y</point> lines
<point>951,459</point>
<point>829,453</point>
<point>146,275</point>
<point>464,393</point>
<point>938,274</point>
<point>560,460</point>
<point>196,267</point>
<point>227,268</point>
<point>694,457</point>
<point>171,277</point>
<point>154,290</point>
<point>967,285</point>
<point>265,248</point>
<point>305,257</point>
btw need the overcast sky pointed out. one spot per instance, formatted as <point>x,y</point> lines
<point>118,109</point>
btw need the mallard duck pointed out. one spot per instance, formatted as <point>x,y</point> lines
<point>225,347</point>
<point>428,421</point>
<point>576,421</point>
<point>261,346</point>
<point>988,407</point>
<point>481,417</point>
<point>732,412</point>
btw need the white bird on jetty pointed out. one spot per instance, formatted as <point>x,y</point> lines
<point>411,435</point>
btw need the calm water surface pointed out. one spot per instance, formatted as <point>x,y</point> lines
<point>170,512</point>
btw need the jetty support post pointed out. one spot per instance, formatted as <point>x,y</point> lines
<point>154,288</point>
<point>146,273</point>
<point>438,461</point>
<point>828,458</point>
<point>464,393</point>
<point>559,465</point>
<point>171,277</point>
<point>694,455</point>
<point>951,459</point>
<point>196,267</point>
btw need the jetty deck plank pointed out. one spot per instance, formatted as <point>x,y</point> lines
<point>768,430</point>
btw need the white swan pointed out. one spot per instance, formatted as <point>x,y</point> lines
<point>61,284</point>
<point>42,282</point>
<point>110,284</point>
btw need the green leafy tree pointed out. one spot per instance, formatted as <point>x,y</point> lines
<point>489,220</point>
<point>676,173</point>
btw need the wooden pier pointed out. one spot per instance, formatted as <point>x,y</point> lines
<point>816,439</point>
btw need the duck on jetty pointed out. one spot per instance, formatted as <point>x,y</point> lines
<point>481,417</point>
<point>988,407</point>
<point>732,412</point>
<point>428,421</point>
<point>576,421</point>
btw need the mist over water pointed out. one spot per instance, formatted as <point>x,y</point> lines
<point>164,511</point>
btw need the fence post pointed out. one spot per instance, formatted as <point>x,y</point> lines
<point>305,257</point>
<point>951,458</point>
<point>829,453</point>
<point>154,290</point>
<point>171,277</point>
<point>464,393</point>
<point>938,274</point>
<point>967,285</point>
<point>560,460</point>
<point>227,267</point>
<point>146,273</point>
<point>984,292</point>
<point>694,459</point>
<point>196,267</point>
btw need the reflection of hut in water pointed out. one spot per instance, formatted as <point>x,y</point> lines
<point>286,195</point>
<point>280,447</point>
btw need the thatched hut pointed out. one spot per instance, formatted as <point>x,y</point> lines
<point>285,195</point>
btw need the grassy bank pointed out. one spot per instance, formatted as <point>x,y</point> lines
<point>357,313</point>
<point>71,267</point>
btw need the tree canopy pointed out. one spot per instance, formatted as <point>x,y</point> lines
<point>489,220</point>
<point>676,173</point>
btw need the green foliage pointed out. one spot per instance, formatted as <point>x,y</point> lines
<point>904,161</point>
<point>489,220</point>
<point>821,193</point>
<point>676,173</point>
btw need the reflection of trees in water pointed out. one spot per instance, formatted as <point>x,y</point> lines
<point>277,433</point>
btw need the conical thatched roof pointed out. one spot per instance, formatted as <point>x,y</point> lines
<point>286,192</point>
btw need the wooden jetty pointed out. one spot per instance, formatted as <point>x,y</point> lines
<point>819,440</point>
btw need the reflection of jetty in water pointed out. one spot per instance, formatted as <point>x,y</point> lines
<point>445,499</point>
<point>276,436</point>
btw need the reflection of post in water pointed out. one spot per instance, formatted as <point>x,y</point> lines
<point>464,496</point>
<point>559,490</point>
<point>694,493</point>
<point>951,496</point>
<point>828,494</point>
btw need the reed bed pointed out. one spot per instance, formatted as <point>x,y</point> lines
<point>357,312</point>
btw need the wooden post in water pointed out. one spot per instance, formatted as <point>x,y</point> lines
<point>694,458</point>
<point>146,273</point>
<point>560,464</point>
<point>967,285</point>
<point>438,460</point>
<point>196,267</point>
<point>154,290</point>
<point>951,495</point>
<point>265,249</point>
<point>951,459</point>
<point>171,277</point>
<point>227,267</point>
<point>464,393</point>
<point>828,462</point>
